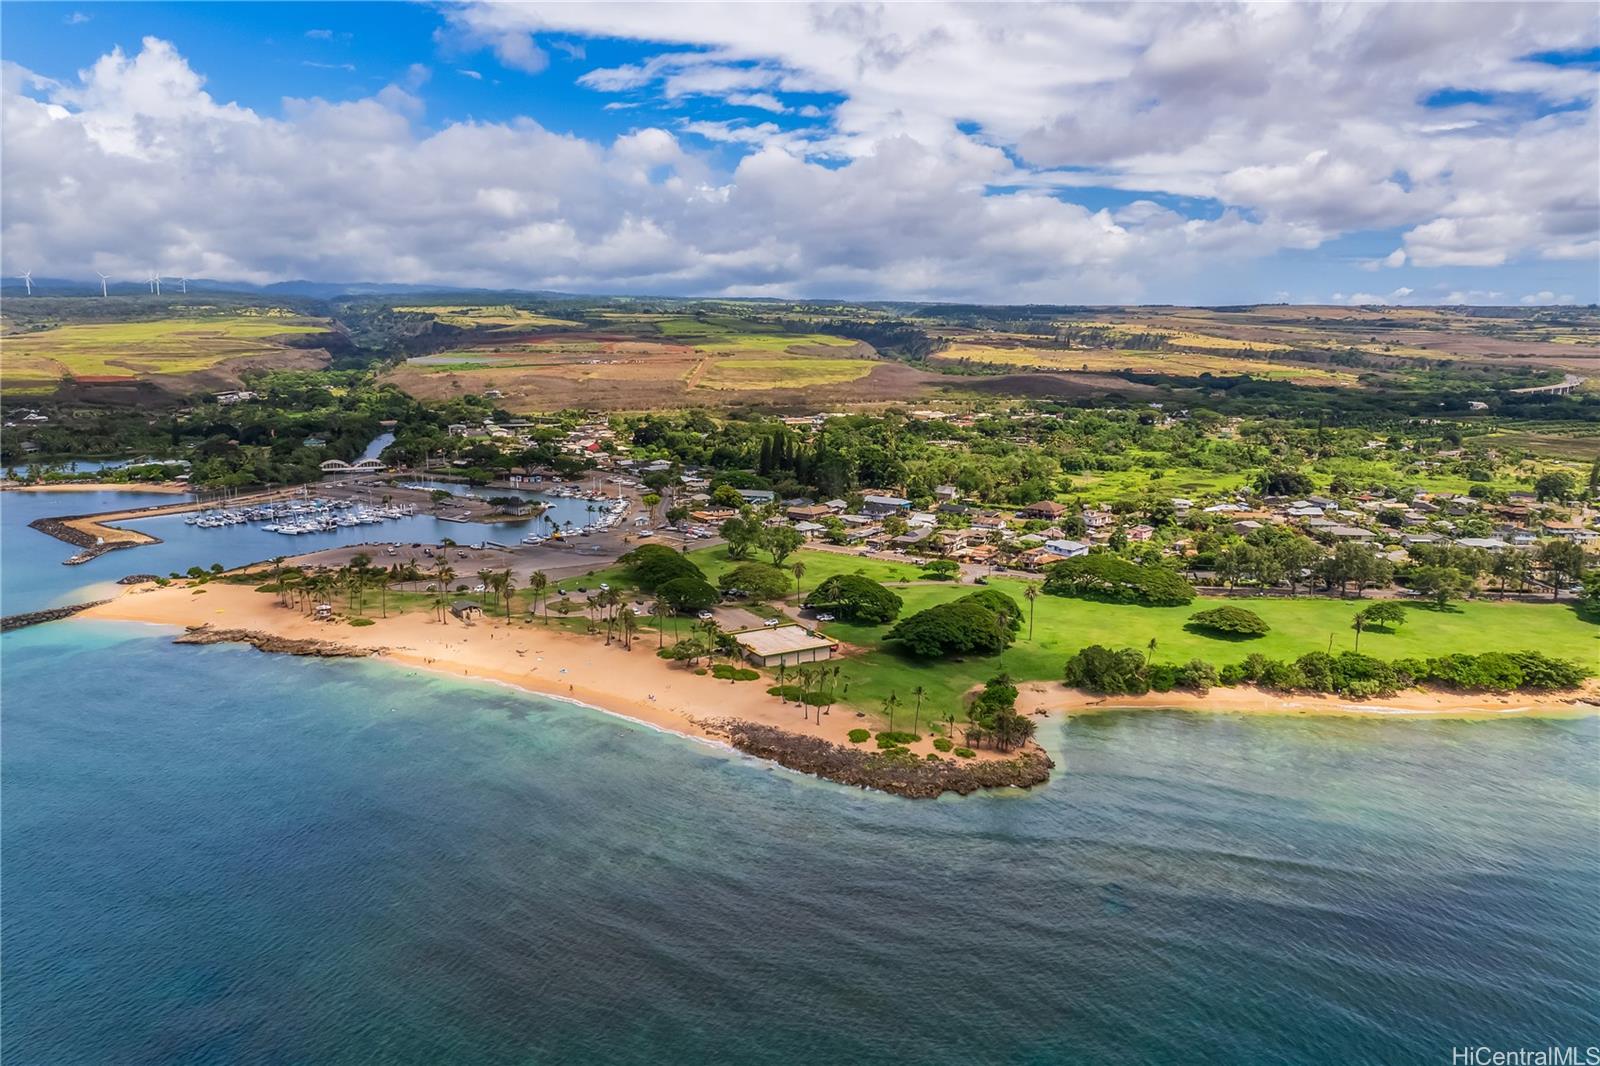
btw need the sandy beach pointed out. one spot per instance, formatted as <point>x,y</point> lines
<point>102,486</point>
<point>1246,699</point>
<point>530,656</point>
<point>637,684</point>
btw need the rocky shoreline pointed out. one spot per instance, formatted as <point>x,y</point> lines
<point>913,778</point>
<point>33,618</point>
<point>270,642</point>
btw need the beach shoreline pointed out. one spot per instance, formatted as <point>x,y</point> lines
<point>549,661</point>
<point>165,488</point>
<point>1035,697</point>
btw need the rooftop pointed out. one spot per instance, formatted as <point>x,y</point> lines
<point>782,640</point>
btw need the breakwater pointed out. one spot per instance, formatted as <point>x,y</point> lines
<point>33,618</point>
<point>93,546</point>
<point>903,776</point>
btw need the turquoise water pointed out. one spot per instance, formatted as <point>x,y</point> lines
<point>212,855</point>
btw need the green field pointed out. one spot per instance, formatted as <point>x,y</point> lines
<point>120,350</point>
<point>1062,626</point>
<point>783,373</point>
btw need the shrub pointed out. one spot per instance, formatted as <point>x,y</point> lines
<point>1101,575</point>
<point>941,743</point>
<point>792,694</point>
<point>966,753</point>
<point>855,598</point>
<point>725,672</point>
<point>700,671</point>
<point>900,737</point>
<point>931,757</point>
<point>1234,621</point>
<point>1100,669</point>
<point>1163,677</point>
<point>1199,676</point>
<point>361,621</point>
<point>860,736</point>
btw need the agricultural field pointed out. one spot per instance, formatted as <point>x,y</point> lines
<point>180,353</point>
<point>641,361</point>
<point>500,316</point>
<point>1172,362</point>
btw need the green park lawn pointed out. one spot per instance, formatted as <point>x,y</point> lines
<point>1062,626</point>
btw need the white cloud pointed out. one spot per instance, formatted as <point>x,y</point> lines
<point>77,18</point>
<point>473,74</point>
<point>1546,298</point>
<point>888,191</point>
<point>320,35</point>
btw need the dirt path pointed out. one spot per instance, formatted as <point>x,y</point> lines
<point>697,373</point>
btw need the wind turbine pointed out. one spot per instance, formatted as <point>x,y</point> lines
<point>155,283</point>
<point>152,283</point>
<point>103,278</point>
<point>27,279</point>
<point>185,283</point>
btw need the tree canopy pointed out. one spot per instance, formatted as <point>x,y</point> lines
<point>856,599</point>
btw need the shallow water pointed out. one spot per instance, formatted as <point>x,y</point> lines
<point>212,855</point>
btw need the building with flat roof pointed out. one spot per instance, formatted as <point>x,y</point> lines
<point>787,645</point>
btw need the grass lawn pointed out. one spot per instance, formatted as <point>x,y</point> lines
<point>1062,626</point>
<point>820,565</point>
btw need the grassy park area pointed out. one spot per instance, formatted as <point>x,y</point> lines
<point>1062,626</point>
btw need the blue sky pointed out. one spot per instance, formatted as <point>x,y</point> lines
<point>1030,153</point>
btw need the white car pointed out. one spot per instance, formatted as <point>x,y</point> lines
<point>705,616</point>
<point>824,617</point>
<point>604,587</point>
<point>477,588</point>
<point>771,622</point>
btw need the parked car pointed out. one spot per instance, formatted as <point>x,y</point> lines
<point>824,617</point>
<point>705,616</point>
<point>772,622</point>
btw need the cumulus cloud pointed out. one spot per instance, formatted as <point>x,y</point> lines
<point>948,163</point>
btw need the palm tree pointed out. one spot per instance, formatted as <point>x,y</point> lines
<point>629,624</point>
<point>916,717</point>
<point>277,575</point>
<point>483,580</point>
<point>508,585</point>
<point>782,670</point>
<point>1032,595</point>
<point>538,583</point>
<point>659,612</point>
<point>890,702</point>
<point>799,571</point>
<point>1150,652</point>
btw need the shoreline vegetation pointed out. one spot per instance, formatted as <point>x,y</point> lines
<point>639,685</point>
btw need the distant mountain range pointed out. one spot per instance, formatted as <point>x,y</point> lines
<point>320,290</point>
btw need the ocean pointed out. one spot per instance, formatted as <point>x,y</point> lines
<point>211,855</point>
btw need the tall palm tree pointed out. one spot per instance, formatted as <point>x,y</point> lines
<point>1150,653</point>
<point>1032,595</point>
<point>508,586</point>
<point>659,612</point>
<point>916,717</point>
<point>799,571</point>
<point>890,702</point>
<point>538,584</point>
<point>629,624</point>
<point>484,574</point>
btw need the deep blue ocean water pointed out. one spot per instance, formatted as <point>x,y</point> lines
<point>210,855</point>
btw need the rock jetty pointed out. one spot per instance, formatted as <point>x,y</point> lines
<point>322,649</point>
<point>33,618</point>
<point>901,775</point>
